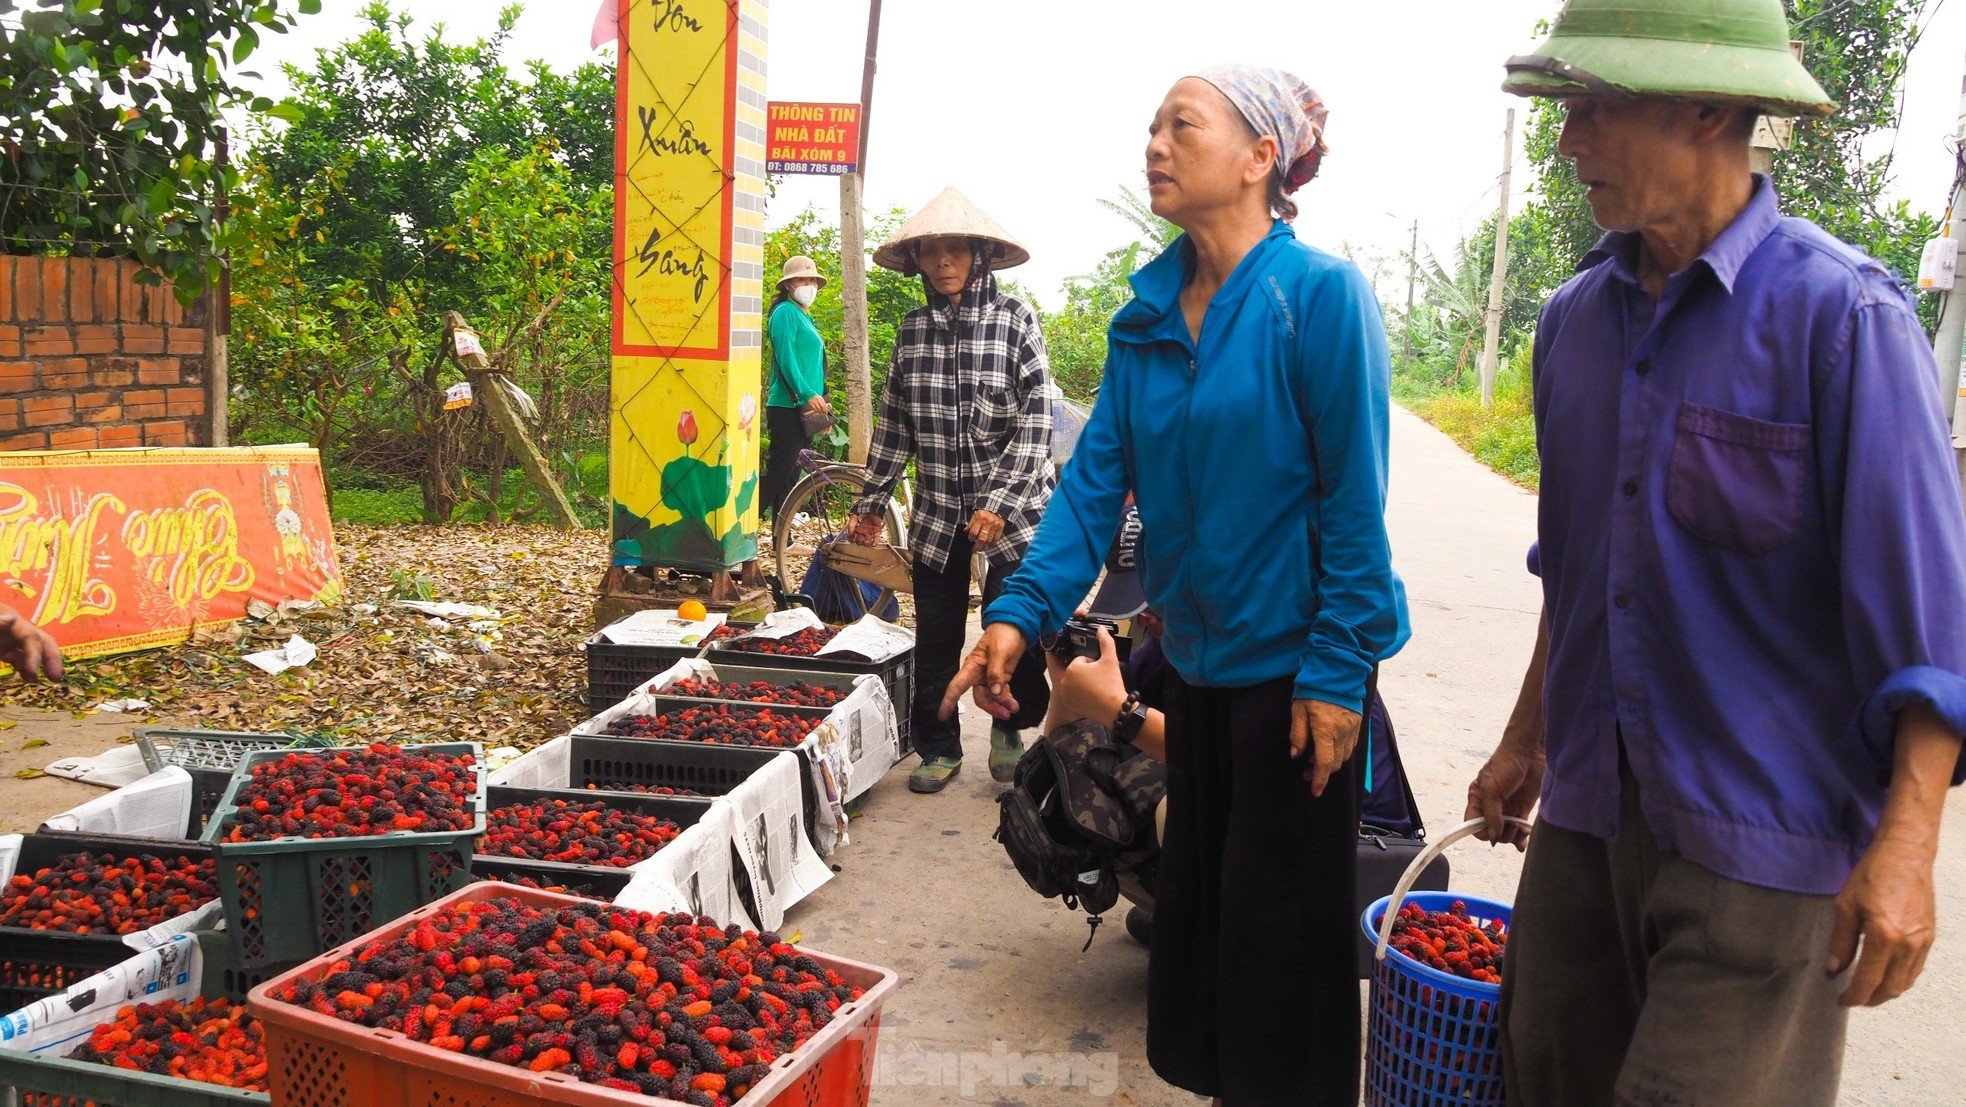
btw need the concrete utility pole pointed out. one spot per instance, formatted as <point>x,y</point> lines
<point>853,269</point>
<point>1491,344</point>
<point>1952,308</point>
<point>1412,277</point>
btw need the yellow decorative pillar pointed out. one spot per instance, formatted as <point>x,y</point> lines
<point>689,283</point>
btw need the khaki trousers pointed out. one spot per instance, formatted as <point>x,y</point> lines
<point>1636,977</point>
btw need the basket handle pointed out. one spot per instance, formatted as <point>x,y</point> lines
<point>1419,865</point>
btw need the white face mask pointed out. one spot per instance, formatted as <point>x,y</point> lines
<point>805,294</point>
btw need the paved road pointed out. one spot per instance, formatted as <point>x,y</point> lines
<point>1460,534</point>
<point>1000,1007</point>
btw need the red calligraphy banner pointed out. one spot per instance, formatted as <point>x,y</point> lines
<point>117,550</point>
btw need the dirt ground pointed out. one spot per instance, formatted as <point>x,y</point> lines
<point>998,1005</point>
<point>32,738</point>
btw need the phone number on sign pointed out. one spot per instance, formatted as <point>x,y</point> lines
<point>820,168</point>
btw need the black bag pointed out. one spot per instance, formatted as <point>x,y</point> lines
<point>815,423</point>
<point>1079,813</point>
<point>1390,831</point>
<point>1385,798</point>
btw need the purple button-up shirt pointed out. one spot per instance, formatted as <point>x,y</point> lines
<point>1752,547</point>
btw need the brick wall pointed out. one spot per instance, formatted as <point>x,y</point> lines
<point>91,359</point>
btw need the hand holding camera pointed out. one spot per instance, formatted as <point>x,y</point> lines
<point>1084,686</point>
<point>1080,638</point>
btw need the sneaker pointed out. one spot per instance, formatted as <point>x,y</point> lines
<point>1140,925</point>
<point>933,775</point>
<point>1006,750</point>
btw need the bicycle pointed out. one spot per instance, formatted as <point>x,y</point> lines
<point>818,506</point>
<point>815,514</point>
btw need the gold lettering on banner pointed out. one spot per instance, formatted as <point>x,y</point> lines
<point>191,551</point>
<point>62,549</point>
<point>194,549</point>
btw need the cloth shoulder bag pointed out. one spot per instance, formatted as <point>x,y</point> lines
<point>815,423</point>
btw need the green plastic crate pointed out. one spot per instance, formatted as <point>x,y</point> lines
<point>207,749</point>
<point>289,899</point>
<point>59,1082</point>
<point>224,977</point>
<point>208,787</point>
<point>37,963</point>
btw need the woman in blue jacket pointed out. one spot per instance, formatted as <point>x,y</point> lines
<point>798,377</point>
<point>1245,406</point>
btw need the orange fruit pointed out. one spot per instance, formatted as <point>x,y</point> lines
<point>693,610</point>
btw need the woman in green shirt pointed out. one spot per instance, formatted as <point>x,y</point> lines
<point>798,376</point>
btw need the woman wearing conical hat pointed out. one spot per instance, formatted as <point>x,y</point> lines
<point>966,400</point>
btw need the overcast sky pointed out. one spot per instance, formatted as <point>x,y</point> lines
<point>1037,110</point>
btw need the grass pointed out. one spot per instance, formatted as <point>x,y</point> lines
<point>378,507</point>
<point>361,498</point>
<point>1502,437</point>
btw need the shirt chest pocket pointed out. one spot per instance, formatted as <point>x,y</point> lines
<point>993,406</point>
<point>1737,482</point>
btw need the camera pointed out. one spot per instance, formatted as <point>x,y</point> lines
<point>1080,638</point>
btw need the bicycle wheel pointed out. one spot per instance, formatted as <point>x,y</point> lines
<point>817,509</point>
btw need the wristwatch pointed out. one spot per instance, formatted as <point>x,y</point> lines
<point>1131,720</point>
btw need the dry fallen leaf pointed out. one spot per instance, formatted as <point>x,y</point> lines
<point>367,682</point>
<point>34,743</point>
<point>29,774</point>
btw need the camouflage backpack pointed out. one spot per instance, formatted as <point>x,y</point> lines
<point>1080,812</point>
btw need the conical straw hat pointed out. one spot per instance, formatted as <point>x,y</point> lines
<point>951,213</point>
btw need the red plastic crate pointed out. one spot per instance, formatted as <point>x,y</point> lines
<point>317,1061</point>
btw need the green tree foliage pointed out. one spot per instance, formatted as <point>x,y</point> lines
<point>112,108</point>
<point>1858,50</point>
<point>421,178</point>
<point>409,117</point>
<point>1075,335</point>
<point>889,297</point>
<point>304,341</point>
<point>1449,323</point>
<point>1157,233</point>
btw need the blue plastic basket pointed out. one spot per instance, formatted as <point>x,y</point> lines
<point>1433,1039</point>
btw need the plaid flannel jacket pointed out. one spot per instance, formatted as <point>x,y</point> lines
<point>965,398</point>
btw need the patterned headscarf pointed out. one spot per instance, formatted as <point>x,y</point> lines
<point>1282,106</point>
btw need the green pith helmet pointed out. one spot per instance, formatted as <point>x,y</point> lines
<point>1717,51</point>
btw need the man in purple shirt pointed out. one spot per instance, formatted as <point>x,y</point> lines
<point>1744,707</point>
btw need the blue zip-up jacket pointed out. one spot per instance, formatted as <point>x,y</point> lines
<point>1258,457</point>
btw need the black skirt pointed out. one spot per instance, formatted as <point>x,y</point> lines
<point>1253,990</point>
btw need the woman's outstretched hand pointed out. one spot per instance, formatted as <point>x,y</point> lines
<point>987,670</point>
